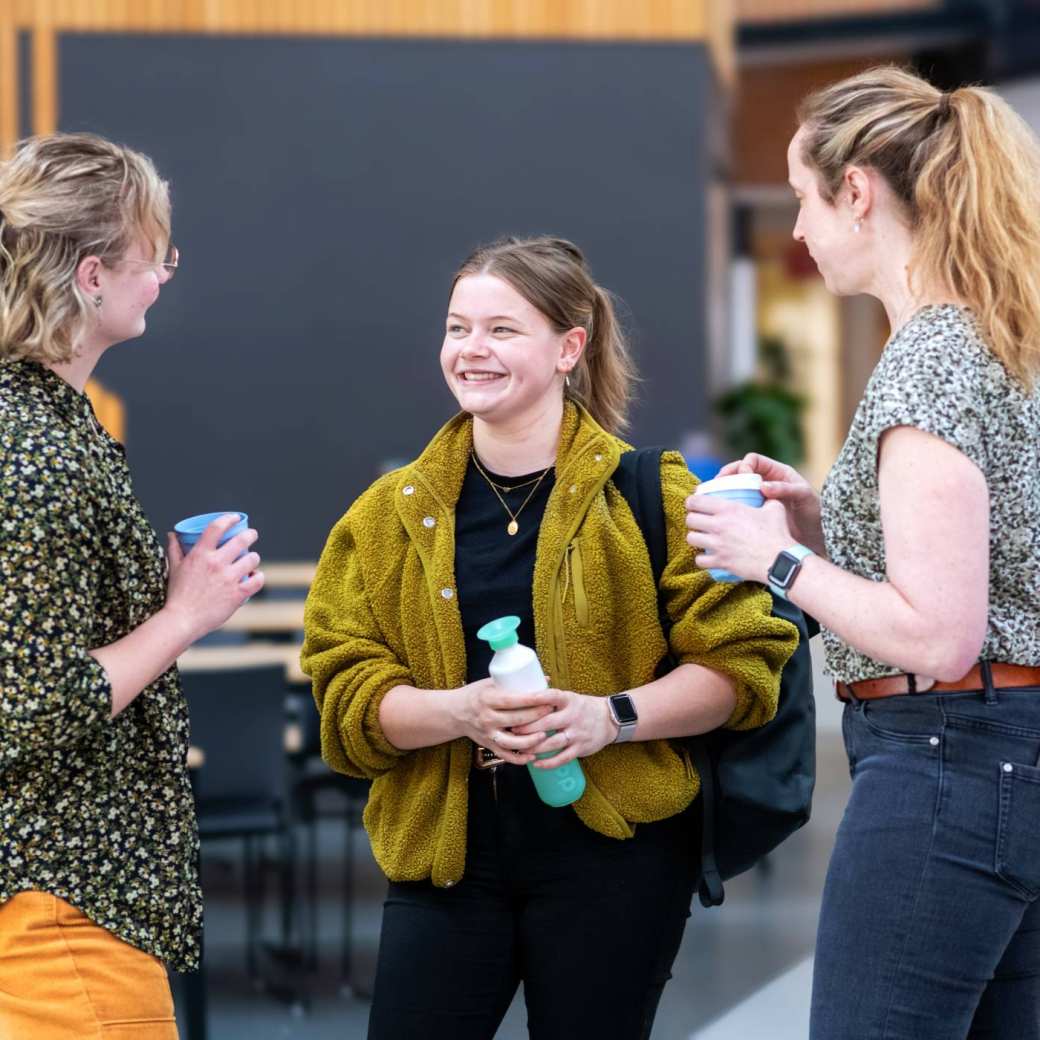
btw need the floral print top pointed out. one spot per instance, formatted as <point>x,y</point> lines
<point>95,810</point>
<point>937,374</point>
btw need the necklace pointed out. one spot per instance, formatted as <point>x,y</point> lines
<point>513,526</point>
<point>509,488</point>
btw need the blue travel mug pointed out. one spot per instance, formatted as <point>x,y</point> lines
<point>189,530</point>
<point>745,488</point>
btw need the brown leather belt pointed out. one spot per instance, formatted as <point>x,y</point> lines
<point>1005,676</point>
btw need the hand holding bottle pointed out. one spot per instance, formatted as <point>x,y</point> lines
<point>489,715</point>
<point>515,668</point>
<point>580,726</point>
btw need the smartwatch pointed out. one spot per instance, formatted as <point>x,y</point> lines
<point>623,712</point>
<point>786,567</point>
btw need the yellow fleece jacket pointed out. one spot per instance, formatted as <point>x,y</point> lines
<point>382,612</point>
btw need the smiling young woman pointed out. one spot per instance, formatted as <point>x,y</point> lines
<point>511,510</point>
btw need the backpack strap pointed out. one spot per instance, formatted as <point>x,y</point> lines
<point>638,478</point>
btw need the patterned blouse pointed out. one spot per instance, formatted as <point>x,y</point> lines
<point>97,811</point>
<point>937,374</point>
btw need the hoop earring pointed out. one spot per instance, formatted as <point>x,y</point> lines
<point>857,227</point>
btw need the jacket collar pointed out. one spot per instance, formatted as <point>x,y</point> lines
<point>427,491</point>
<point>586,457</point>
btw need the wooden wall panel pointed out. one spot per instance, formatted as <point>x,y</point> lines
<point>758,11</point>
<point>8,81</point>
<point>649,20</point>
<point>764,114</point>
<point>44,80</point>
<point>577,19</point>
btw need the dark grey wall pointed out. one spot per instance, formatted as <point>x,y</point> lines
<point>325,190</point>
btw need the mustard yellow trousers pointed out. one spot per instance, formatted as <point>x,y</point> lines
<point>62,977</point>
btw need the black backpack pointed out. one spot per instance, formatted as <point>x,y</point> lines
<point>756,786</point>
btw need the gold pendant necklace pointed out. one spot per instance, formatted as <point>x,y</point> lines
<point>513,526</point>
<point>509,489</point>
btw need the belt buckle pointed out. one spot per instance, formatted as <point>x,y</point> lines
<point>485,759</point>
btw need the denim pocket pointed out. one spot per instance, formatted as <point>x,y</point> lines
<point>1018,828</point>
<point>899,720</point>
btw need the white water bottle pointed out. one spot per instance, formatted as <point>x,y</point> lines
<point>515,668</point>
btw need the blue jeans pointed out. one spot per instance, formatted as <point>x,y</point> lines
<point>930,925</point>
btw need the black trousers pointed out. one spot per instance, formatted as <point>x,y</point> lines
<point>589,924</point>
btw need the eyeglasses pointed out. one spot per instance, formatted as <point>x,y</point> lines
<point>169,264</point>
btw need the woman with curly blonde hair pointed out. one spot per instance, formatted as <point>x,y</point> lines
<point>98,843</point>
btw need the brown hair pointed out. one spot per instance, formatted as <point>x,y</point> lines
<point>552,275</point>
<point>966,168</point>
<point>64,197</point>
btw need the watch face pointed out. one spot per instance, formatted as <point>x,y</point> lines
<point>624,709</point>
<point>783,568</point>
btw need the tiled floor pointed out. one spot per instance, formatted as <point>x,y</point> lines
<point>742,973</point>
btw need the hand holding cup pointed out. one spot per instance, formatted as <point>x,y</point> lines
<point>738,533</point>
<point>784,484</point>
<point>215,574</point>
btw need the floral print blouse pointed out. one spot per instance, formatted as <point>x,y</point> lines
<point>95,810</point>
<point>937,374</point>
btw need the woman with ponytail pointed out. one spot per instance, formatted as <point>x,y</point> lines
<point>511,510</point>
<point>921,559</point>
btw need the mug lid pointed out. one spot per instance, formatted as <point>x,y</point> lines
<point>732,482</point>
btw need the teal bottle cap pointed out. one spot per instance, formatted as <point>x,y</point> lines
<point>501,632</point>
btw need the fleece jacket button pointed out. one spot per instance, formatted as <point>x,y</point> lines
<point>447,593</point>
<point>428,521</point>
<point>408,490</point>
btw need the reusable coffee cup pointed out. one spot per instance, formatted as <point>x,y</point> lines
<point>189,530</point>
<point>745,488</point>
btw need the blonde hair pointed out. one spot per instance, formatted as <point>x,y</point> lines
<point>64,197</point>
<point>552,275</point>
<point>966,168</point>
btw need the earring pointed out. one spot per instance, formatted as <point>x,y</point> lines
<point>566,382</point>
<point>97,301</point>
<point>858,226</point>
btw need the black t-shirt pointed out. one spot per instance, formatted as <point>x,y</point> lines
<point>493,569</point>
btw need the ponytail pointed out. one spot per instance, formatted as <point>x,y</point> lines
<point>603,379</point>
<point>967,169</point>
<point>978,197</point>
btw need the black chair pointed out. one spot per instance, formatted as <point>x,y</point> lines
<point>312,780</point>
<point>238,721</point>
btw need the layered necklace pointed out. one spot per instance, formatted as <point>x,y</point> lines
<point>499,489</point>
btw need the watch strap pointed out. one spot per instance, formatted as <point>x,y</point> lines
<point>626,730</point>
<point>799,552</point>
